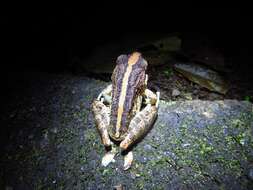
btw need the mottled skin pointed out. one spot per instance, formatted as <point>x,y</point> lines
<point>117,110</point>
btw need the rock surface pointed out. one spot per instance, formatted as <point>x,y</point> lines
<point>203,76</point>
<point>53,144</point>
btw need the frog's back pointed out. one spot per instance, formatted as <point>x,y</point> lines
<point>128,81</point>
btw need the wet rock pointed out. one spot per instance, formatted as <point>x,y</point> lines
<point>211,57</point>
<point>203,76</point>
<point>192,145</point>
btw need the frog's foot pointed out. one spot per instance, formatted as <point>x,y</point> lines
<point>109,157</point>
<point>128,160</point>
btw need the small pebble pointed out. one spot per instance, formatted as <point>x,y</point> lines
<point>186,144</point>
<point>147,147</point>
<point>175,92</point>
<point>118,187</point>
<point>250,173</point>
<point>195,92</point>
<point>54,130</point>
<point>188,96</point>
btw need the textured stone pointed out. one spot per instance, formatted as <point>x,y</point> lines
<point>193,144</point>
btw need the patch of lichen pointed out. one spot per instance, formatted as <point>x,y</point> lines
<point>199,155</point>
<point>194,156</point>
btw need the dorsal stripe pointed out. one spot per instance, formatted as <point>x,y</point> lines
<point>133,59</point>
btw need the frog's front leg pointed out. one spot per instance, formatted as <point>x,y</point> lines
<point>106,95</point>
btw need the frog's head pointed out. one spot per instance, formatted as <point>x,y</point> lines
<point>128,82</point>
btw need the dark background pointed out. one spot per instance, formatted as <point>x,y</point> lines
<point>43,38</point>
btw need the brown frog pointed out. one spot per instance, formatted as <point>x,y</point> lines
<point>125,110</point>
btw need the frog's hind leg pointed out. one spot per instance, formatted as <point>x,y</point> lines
<point>140,125</point>
<point>101,112</point>
<point>102,119</point>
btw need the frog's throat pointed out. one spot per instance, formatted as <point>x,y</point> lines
<point>133,59</point>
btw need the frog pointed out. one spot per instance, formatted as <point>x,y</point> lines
<point>126,109</point>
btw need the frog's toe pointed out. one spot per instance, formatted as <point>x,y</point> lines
<point>128,159</point>
<point>123,146</point>
<point>125,143</point>
<point>109,157</point>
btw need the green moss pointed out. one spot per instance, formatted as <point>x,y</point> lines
<point>189,154</point>
<point>168,72</point>
<point>224,146</point>
<point>248,98</point>
<point>91,135</point>
<point>83,155</point>
<point>140,184</point>
<point>107,171</point>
